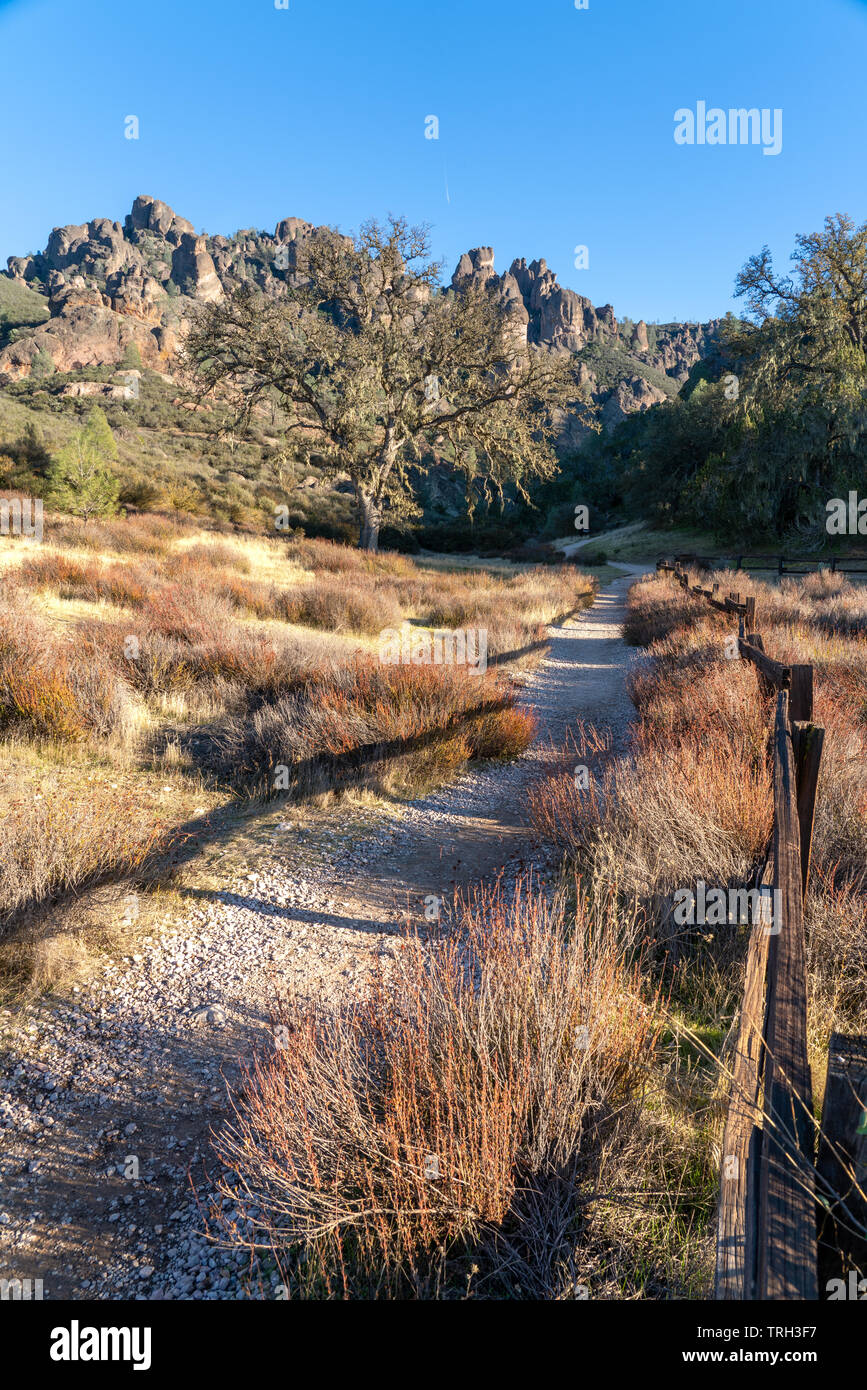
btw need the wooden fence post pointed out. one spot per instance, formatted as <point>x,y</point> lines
<point>842,1163</point>
<point>801,694</point>
<point>807,740</point>
<point>737,1221</point>
<point>787,1214</point>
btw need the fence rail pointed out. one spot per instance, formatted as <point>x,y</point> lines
<point>766,1233</point>
<point>799,565</point>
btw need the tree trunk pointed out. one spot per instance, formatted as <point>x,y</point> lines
<point>371,519</point>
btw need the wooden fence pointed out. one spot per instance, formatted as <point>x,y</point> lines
<point>767,1232</point>
<point>779,564</point>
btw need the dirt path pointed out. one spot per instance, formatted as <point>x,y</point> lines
<point>106,1105</point>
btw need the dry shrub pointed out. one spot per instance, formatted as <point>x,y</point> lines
<point>50,569</point>
<point>144,535</point>
<point>333,605</point>
<point>187,612</point>
<point>381,1149</point>
<point>217,555</point>
<point>702,711</point>
<point>343,559</point>
<point>840,824</point>
<point>660,820</point>
<point>514,612</point>
<point>501,733</point>
<point>58,839</point>
<point>701,698</point>
<point>51,688</point>
<point>349,716</point>
<point>249,596</point>
<point>837,950</point>
<point>122,584</point>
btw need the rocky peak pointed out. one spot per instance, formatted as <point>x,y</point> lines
<point>150,215</point>
<point>293,229</point>
<point>110,285</point>
<point>474,267</point>
<point>555,317</point>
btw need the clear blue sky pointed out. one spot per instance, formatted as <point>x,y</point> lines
<point>555,126</point>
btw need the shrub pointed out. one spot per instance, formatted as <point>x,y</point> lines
<point>387,1148</point>
<point>336,607</point>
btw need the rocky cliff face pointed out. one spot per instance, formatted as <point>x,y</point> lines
<point>110,286</point>
<point>547,314</point>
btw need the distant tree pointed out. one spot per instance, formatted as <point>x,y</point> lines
<point>97,432</point>
<point>378,372</point>
<point>774,425</point>
<point>141,493</point>
<point>41,365</point>
<point>827,294</point>
<point>131,360</point>
<point>80,479</point>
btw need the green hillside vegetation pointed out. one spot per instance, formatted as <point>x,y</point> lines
<point>167,456</point>
<point>20,309</point>
<point>169,459</point>
<point>611,363</point>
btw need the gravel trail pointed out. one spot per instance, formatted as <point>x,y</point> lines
<point>107,1097</point>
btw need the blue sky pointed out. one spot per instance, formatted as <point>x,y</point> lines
<point>555,126</point>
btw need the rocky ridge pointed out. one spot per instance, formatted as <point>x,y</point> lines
<point>112,287</point>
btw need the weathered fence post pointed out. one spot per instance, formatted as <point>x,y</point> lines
<point>808,740</point>
<point>842,1163</point>
<point>787,1215</point>
<point>801,694</point>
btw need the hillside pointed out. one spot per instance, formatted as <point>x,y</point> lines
<point>100,315</point>
<point>22,309</point>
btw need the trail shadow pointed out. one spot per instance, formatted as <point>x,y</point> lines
<point>289,912</point>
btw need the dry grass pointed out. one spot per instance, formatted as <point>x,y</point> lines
<point>314,584</point>
<point>48,688</point>
<point>116,638</point>
<point>363,713</point>
<point>428,1141</point>
<point>55,839</point>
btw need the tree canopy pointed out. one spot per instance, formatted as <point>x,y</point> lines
<point>379,372</point>
<point>80,477</point>
<point>758,442</point>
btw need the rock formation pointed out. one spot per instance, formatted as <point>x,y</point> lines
<point>110,286</point>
